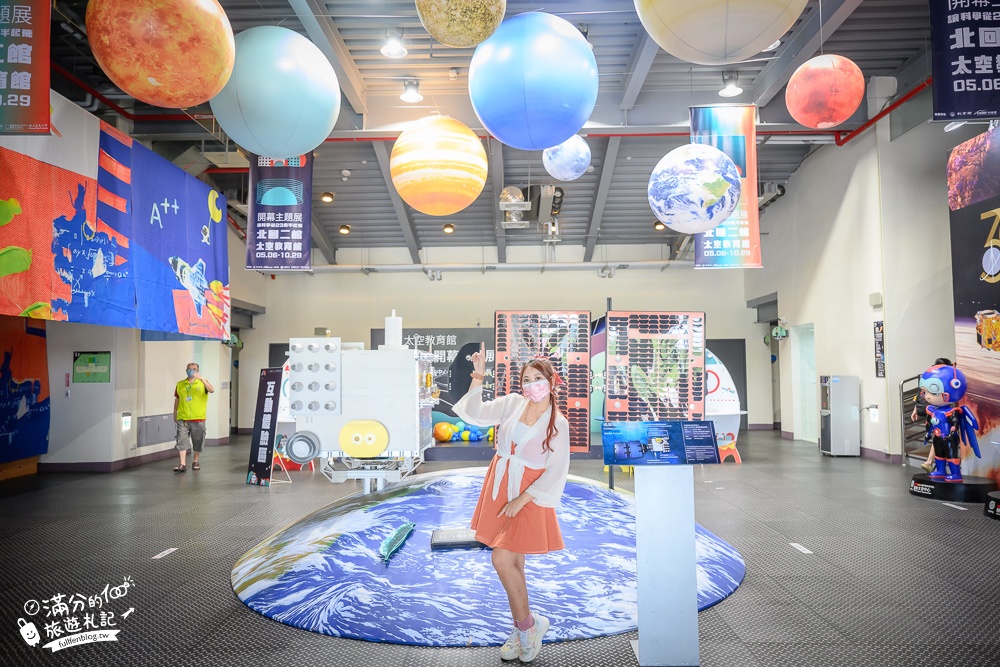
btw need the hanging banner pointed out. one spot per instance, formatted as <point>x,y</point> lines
<point>24,389</point>
<point>734,244</point>
<point>964,47</point>
<point>280,215</point>
<point>265,425</point>
<point>974,201</point>
<point>179,252</point>
<point>24,67</point>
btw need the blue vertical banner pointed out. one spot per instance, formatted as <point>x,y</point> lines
<point>179,250</point>
<point>280,215</point>
<point>734,244</point>
<point>965,59</point>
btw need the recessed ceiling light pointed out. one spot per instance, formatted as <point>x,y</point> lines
<point>327,197</point>
<point>448,228</point>
<point>659,226</point>
<point>345,229</point>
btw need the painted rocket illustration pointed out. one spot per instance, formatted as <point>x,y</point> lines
<point>193,279</point>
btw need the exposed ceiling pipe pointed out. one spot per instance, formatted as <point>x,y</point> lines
<point>605,269</point>
<point>843,138</point>
<point>86,87</point>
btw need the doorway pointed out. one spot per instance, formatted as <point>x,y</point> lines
<point>805,399</point>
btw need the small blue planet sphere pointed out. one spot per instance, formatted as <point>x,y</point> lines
<point>569,160</point>
<point>694,188</point>
<point>533,83</point>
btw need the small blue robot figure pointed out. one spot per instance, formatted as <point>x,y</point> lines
<point>949,424</point>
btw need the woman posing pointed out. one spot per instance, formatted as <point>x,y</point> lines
<point>516,513</point>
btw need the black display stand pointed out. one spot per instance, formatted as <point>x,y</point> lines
<point>992,506</point>
<point>969,490</point>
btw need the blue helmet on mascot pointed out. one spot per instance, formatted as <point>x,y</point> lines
<point>947,380</point>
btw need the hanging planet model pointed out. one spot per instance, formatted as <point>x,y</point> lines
<point>461,23</point>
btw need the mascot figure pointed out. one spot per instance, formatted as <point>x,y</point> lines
<point>949,424</point>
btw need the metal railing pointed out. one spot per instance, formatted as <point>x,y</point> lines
<point>913,432</point>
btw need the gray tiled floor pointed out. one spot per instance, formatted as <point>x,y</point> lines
<point>893,580</point>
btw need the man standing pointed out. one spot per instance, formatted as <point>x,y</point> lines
<point>191,409</point>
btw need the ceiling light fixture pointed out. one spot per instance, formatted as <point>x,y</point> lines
<point>345,229</point>
<point>729,87</point>
<point>327,197</point>
<point>411,93</point>
<point>954,125</point>
<point>659,226</point>
<point>774,46</point>
<point>393,47</point>
<point>448,228</point>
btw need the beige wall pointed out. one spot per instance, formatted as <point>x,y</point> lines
<point>871,216</point>
<point>350,305</point>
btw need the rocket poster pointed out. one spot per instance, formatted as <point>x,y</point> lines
<point>179,250</point>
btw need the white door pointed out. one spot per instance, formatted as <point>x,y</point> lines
<point>806,397</point>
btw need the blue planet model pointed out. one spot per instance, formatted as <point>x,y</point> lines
<point>325,573</point>
<point>694,188</point>
<point>533,83</point>
<point>569,160</point>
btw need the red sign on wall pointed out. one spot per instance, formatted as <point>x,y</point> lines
<point>24,67</point>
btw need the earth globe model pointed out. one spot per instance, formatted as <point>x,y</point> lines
<point>461,23</point>
<point>438,165</point>
<point>175,54</point>
<point>694,188</point>
<point>569,160</point>
<point>717,32</point>
<point>533,83</point>
<point>825,91</point>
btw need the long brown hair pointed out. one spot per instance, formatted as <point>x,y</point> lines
<point>548,371</point>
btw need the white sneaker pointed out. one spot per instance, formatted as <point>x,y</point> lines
<point>512,647</point>
<point>531,641</point>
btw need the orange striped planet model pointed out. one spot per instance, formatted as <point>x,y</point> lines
<point>438,166</point>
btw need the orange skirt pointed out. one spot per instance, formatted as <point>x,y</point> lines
<point>535,529</point>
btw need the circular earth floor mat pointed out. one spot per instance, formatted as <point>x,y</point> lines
<point>324,572</point>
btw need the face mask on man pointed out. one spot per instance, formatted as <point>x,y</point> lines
<point>535,391</point>
<point>191,373</point>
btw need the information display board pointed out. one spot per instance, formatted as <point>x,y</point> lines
<point>659,443</point>
<point>265,425</point>
<point>92,367</point>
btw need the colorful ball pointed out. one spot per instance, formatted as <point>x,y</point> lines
<point>825,91</point>
<point>533,84</point>
<point>694,188</point>
<point>461,23</point>
<point>717,32</point>
<point>459,426</point>
<point>443,431</point>
<point>172,53</point>
<point>489,434</point>
<point>569,160</point>
<point>438,166</point>
<point>283,98</point>
<point>465,435</point>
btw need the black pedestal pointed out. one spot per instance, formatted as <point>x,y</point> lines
<point>992,507</point>
<point>969,490</point>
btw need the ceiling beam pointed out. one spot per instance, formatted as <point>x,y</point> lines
<point>638,67</point>
<point>402,213</point>
<point>496,185</point>
<point>314,17</point>
<point>323,241</point>
<point>804,44</point>
<point>601,196</point>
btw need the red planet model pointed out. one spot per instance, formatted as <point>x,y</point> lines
<point>825,91</point>
<point>168,53</point>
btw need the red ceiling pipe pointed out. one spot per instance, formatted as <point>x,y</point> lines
<point>842,139</point>
<point>83,85</point>
<point>227,170</point>
<point>236,225</point>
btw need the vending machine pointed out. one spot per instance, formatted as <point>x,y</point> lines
<point>839,415</point>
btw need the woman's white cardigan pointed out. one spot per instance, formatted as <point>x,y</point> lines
<point>505,412</point>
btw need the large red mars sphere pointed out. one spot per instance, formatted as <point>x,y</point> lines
<point>168,53</point>
<point>825,91</point>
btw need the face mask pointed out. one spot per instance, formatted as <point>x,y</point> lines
<point>535,391</point>
<point>191,372</point>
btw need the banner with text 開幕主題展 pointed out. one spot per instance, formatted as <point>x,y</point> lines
<point>279,220</point>
<point>734,244</point>
<point>24,67</point>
